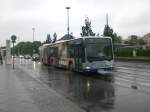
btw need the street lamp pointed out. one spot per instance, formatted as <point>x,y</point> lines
<point>13,39</point>
<point>68,19</point>
<point>18,38</point>
<point>33,29</point>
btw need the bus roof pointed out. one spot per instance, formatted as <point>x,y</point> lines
<point>61,41</point>
<point>82,38</point>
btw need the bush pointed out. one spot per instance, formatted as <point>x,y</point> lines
<point>144,53</point>
<point>124,52</point>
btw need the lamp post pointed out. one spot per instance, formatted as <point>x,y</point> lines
<point>68,20</point>
<point>13,39</point>
<point>33,29</point>
<point>18,47</point>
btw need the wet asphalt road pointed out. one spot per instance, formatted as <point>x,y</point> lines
<point>99,93</point>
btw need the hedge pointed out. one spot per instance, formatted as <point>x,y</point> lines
<point>124,52</point>
<point>128,52</point>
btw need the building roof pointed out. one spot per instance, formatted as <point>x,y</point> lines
<point>147,35</point>
<point>66,37</point>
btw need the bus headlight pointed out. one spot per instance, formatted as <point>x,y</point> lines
<point>87,67</point>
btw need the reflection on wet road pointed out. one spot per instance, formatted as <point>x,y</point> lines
<point>88,92</point>
<point>95,93</point>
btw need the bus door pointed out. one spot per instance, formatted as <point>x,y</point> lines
<point>78,58</point>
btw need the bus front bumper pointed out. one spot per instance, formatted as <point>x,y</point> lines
<point>98,70</point>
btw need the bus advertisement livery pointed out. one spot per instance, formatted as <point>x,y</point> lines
<point>86,54</point>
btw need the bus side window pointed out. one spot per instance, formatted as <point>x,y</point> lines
<point>56,52</point>
<point>71,53</point>
<point>83,55</point>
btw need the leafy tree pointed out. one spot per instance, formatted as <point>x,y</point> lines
<point>48,39</point>
<point>116,38</point>
<point>110,33</point>
<point>87,30</point>
<point>54,37</point>
<point>142,42</point>
<point>24,48</point>
<point>36,45</point>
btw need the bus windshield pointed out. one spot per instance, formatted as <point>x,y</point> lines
<point>98,49</point>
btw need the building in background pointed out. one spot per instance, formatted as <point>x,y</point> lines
<point>8,52</point>
<point>133,40</point>
<point>146,39</point>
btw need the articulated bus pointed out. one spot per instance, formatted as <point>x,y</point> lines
<point>85,54</point>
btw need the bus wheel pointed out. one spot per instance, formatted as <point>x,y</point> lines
<point>70,66</point>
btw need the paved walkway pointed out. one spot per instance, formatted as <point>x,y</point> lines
<point>13,95</point>
<point>19,92</point>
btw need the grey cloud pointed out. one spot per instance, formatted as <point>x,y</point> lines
<point>19,16</point>
<point>26,4</point>
<point>139,25</point>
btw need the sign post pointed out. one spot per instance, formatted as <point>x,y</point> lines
<point>13,39</point>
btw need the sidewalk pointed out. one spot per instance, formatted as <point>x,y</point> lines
<point>13,95</point>
<point>19,92</point>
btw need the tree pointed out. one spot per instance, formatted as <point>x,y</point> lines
<point>116,38</point>
<point>110,33</point>
<point>142,42</point>
<point>54,37</point>
<point>36,45</point>
<point>24,48</point>
<point>48,39</point>
<point>87,30</point>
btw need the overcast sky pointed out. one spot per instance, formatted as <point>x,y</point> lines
<point>18,17</point>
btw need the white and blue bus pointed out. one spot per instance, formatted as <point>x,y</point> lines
<point>84,54</point>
